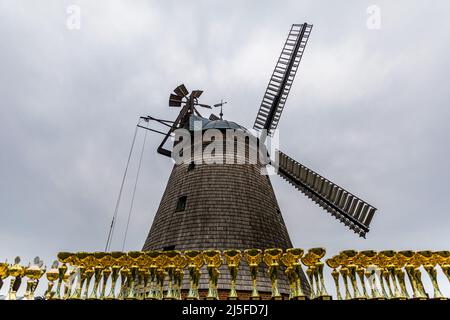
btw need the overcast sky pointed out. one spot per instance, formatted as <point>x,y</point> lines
<point>368,110</point>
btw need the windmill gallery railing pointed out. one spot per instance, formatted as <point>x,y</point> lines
<point>159,274</point>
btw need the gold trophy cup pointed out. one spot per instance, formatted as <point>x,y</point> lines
<point>429,261</point>
<point>233,259</point>
<point>98,269</point>
<point>350,256</point>
<point>333,264</point>
<point>115,263</point>
<point>313,257</point>
<point>170,268</point>
<point>134,269</point>
<point>4,272</point>
<point>443,259</point>
<point>152,255</point>
<point>291,260</point>
<point>33,273</point>
<point>271,258</point>
<point>64,258</point>
<point>52,275</point>
<point>16,272</point>
<point>368,259</point>
<point>195,262</point>
<point>180,262</point>
<point>213,261</point>
<point>253,257</point>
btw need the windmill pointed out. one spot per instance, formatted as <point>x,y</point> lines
<point>234,206</point>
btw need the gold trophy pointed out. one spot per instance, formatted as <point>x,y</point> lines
<point>418,260</point>
<point>180,262</point>
<point>368,260</point>
<point>387,258</point>
<point>161,263</point>
<point>213,261</point>
<point>195,262</point>
<point>98,268</point>
<point>349,256</point>
<point>89,262</point>
<point>408,256</point>
<point>233,259</point>
<point>313,258</point>
<point>152,255</point>
<point>310,271</point>
<point>33,273</point>
<point>344,272</point>
<point>171,257</point>
<point>64,258</point>
<point>144,276</point>
<point>52,275</point>
<point>143,261</point>
<point>253,258</point>
<point>412,266</point>
<point>16,272</point>
<point>134,269</point>
<point>4,272</point>
<point>382,273</point>
<point>429,262</point>
<point>75,277</point>
<point>443,258</point>
<point>361,265</point>
<point>333,264</point>
<point>271,258</point>
<point>106,262</point>
<point>115,263</point>
<point>69,280</point>
<point>125,261</point>
<point>399,262</point>
<point>294,255</point>
<point>81,268</point>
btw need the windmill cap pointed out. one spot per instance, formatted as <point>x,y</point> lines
<point>213,124</point>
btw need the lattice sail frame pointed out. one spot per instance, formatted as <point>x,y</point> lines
<point>282,78</point>
<point>344,206</point>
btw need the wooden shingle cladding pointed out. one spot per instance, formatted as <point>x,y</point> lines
<point>229,206</point>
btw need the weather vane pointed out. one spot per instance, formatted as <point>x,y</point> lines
<point>221,107</point>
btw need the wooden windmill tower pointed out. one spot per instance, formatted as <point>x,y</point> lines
<point>233,206</point>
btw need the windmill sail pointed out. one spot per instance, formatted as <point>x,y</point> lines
<point>344,206</point>
<point>282,77</point>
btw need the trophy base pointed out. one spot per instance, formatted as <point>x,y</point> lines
<point>169,298</point>
<point>360,298</point>
<point>324,297</point>
<point>211,298</point>
<point>255,298</point>
<point>440,298</point>
<point>398,298</point>
<point>192,298</point>
<point>276,298</point>
<point>378,298</point>
<point>299,298</point>
<point>420,298</point>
